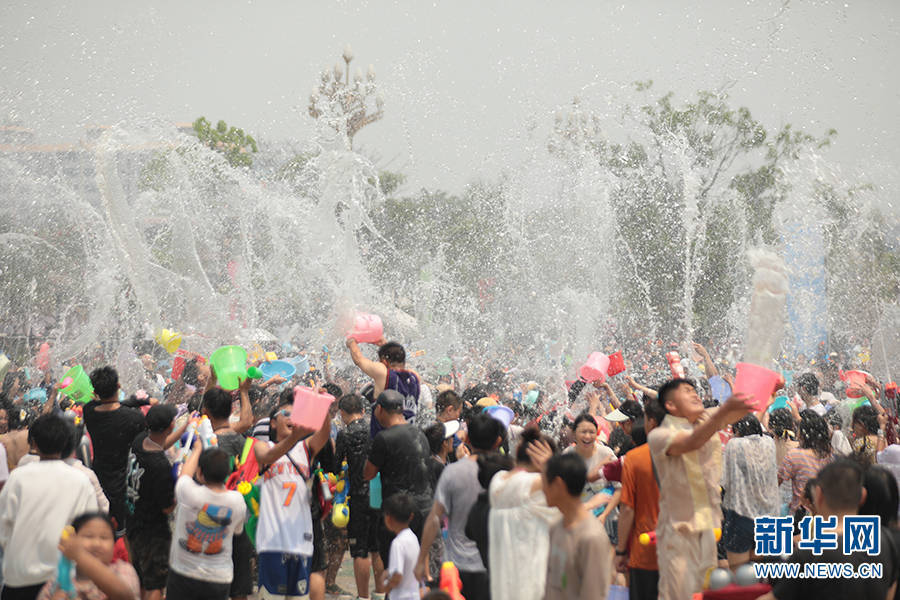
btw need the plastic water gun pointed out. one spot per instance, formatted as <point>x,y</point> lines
<point>187,440</point>
<point>327,484</point>
<point>205,433</point>
<point>649,538</point>
<point>450,581</point>
<point>340,512</point>
<point>250,492</point>
<point>65,570</point>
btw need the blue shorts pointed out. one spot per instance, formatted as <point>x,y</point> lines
<point>283,575</point>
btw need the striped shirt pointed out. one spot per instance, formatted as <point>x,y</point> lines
<point>800,465</point>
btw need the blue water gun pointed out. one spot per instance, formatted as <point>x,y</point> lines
<point>65,570</point>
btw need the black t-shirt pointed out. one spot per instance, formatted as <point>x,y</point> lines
<point>156,488</point>
<point>861,589</point>
<point>112,433</point>
<point>401,453</point>
<point>435,468</point>
<point>352,445</point>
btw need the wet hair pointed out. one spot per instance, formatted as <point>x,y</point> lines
<point>882,496</point>
<point>584,417</point>
<point>352,404</point>
<point>570,468</point>
<point>639,433</point>
<point>866,416</point>
<point>190,374</point>
<point>491,463</point>
<point>51,434</point>
<point>531,434</point>
<point>484,431</point>
<point>400,506</point>
<point>217,402</point>
<point>74,438</point>
<point>841,483</point>
<point>669,387</point>
<point>446,399</point>
<point>833,418</point>
<point>781,421</point>
<point>435,435</point>
<point>105,381</point>
<point>654,410</point>
<point>285,398</point>
<point>160,416</point>
<point>215,465</point>
<point>333,389</point>
<point>85,518</point>
<point>813,433</point>
<point>619,441</point>
<point>392,352</point>
<point>808,383</point>
<point>747,425</point>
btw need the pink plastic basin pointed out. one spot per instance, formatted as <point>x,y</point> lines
<point>595,368</point>
<point>367,329</point>
<point>758,382</point>
<point>310,407</point>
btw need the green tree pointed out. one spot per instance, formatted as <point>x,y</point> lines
<point>232,142</point>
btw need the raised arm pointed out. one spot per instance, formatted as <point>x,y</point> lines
<point>267,456</point>
<point>715,419</point>
<point>375,370</point>
<point>709,366</point>
<point>246,419</point>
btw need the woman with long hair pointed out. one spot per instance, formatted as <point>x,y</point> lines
<point>749,478</point>
<point>801,464</point>
<point>518,526</point>
<point>866,438</point>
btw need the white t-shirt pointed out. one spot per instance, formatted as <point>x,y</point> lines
<point>205,522</point>
<point>402,559</point>
<point>818,408</point>
<point>36,503</point>
<point>285,521</point>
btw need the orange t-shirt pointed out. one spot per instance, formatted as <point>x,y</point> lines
<point>641,493</point>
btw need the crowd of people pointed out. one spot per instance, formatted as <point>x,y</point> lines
<point>608,488</point>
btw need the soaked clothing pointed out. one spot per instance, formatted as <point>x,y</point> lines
<point>688,508</point>
<point>407,384</point>
<point>751,477</point>
<point>352,445</point>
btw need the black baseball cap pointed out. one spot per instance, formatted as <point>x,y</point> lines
<point>390,400</point>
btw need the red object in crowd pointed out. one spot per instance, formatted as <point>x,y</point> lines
<point>42,361</point>
<point>180,360</point>
<point>675,365</point>
<point>450,581</point>
<point>612,470</point>
<point>120,551</point>
<point>890,389</point>
<point>616,364</point>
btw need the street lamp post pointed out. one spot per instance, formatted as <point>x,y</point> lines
<point>347,107</point>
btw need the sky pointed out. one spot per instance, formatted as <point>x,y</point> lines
<point>465,82</point>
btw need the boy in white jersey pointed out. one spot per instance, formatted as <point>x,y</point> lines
<point>401,583</point>
<point>284,535</point>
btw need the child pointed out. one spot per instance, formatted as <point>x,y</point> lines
<point>88,542</point>
<point>206,517</point>
<point>401,583</point>
<point>37,501</point>
<point>580,562</point>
